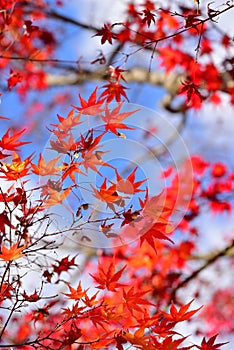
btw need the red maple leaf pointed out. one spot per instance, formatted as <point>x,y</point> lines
<point>209,344</point>
<point>116,73</point>
<point>134,299</point>
<point>92,106</point>
<point>113,119</point>
<point>92,159</point>
<point>63,265</point>
<point>114,90</point>
<point>14,79</point>
<point>157,231</point>
<point>194,97</point>
<point>148,17</point>
<point>31,298</point>
<point>107,277</point>
<point>66,123</point>
<point>180,315</point>
<point>11,142</point>
<point>63,144</point>
<point>70,170</point>
<point>4,220</point>
<point>106,34</point>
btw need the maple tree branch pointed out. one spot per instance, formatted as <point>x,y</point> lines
<point>212,259</point>
<point>64,18</point>
<point>171,82</point>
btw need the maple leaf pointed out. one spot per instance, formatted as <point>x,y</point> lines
<point>157,231</point>
<point>148,17</point>
<point>106,34</point>
<point>116,73</point>
<point>108,195</point>
<point>92,159</point>
<point>171,344</point>
<point>64,265</point>
<point>90,301</point>
<point>134,299</point>
<point>31,298</point>
<point>180,315</point>
<point>128,185</point>
<point>43,168</point>
<point>14,79</point>
<point>66,124</point>
<point>76,294</point>
<point>155,223</point>
<point>113,119</point>
<point>107,277</point>
<point>13,253</point>
<point>91,107</point>
<point>10,142</point>
<point>114,90</point>
<point>4,220</point>
<point>5,292</point>
<point>70,170</point>
<point>55,197</point>
<point>62,144</point>
<point>17,169</point>
<point>209,344</point>
<point>72,335</point>
<point>194,97</point>
<point>136,338</point>
<point>74,311</point>
<point>88,142</point>
<point>130,216</point>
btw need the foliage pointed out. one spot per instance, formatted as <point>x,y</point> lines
<point>133,291</point>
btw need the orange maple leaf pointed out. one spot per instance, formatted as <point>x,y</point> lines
<point>137,338</point>
<point>11,142</point>
<point>66,124</point>
<point>70,170</point>
<point>128,185</point>
<point>180,315</point>
<point>55,197</point>
<point>63,143</point>
<point>43,168</point>
<point>108,195</point>
<point>76,294</point>
<point>17,169</point>
<point>92,159</point>
<point>13,253</point>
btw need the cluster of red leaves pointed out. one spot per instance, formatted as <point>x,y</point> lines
<point>33,39</point>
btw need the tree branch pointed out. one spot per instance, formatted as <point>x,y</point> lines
<point>224,252</point>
